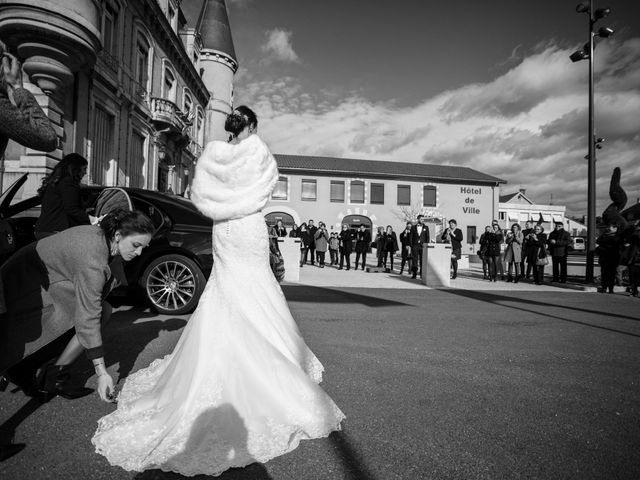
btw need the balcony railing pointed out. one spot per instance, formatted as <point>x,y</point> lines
<point>166,112</point>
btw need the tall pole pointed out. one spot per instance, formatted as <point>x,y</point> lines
<point>591,174</point>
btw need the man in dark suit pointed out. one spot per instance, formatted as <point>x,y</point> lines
<point>312,246</point>
<point>419,236</point>
<point>558,244</point>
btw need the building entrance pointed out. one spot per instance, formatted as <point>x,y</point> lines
<point>354,222</point>
<point>273,217</point>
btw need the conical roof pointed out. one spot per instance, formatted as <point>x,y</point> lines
<point>213,24</point>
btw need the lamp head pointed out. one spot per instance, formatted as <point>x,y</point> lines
<point>582,8</point>
<point>605,32</point>
<point>579,55</point>
<point>601,13</point>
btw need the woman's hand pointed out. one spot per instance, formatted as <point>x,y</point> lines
<point>105,388</point>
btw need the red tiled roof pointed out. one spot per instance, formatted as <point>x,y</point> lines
<point>380,168</point>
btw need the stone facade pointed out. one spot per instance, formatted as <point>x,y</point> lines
<point>124,83</point>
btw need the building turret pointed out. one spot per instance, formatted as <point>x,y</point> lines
<point>218,65</point>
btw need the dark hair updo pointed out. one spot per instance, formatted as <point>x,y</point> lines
<point>127,223</point>
<point>241,118</point>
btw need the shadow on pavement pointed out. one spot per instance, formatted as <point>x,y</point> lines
<point>125,339</point>
<point>305,293</point>
<point>352,461</point>
<point>254,471</point>
<point>9,427</point>
<point>535,305</point>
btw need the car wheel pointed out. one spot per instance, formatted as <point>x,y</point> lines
<point>173,284</point>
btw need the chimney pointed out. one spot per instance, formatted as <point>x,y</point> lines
<point>522,191</point>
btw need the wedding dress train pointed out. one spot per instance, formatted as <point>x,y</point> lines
<point>241,384</point>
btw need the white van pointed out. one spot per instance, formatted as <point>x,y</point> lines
<point>578,244</point>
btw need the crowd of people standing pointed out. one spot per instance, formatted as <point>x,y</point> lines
<point>525,254</point>
<point>316,241</point>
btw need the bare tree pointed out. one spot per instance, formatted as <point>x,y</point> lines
<point>409,213</point>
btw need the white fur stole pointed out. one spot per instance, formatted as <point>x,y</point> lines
<point>233,181</point>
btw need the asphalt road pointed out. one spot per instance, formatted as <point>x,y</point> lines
<point>444,384</point>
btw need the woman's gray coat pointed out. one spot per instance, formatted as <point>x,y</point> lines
<point>53,285</point>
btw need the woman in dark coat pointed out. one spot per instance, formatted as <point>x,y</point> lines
<point>493,240</point>
<point>390,246</point>
<point>483,252</point>
<point>60,192</point>
<point>609,244</point>
<point>538,241</point>
<point>321,241</point>
<point>363,240</point>
<point>59,283</point>
<point>346,246</point>
<point>305,240</point>
<point>453,235</point>
<point>379,242</point>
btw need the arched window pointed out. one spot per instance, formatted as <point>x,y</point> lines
<point>110,30</point>
<point>169,84</point>
<point>142,62</point>
<point>187,102</point>
<point>188,108</point>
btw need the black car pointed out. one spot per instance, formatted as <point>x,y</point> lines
<point>172,270</point>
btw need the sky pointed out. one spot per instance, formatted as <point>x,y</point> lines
<point>488,85</point>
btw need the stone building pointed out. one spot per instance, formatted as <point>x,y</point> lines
<point>137,87</point>
<point>377,193</point>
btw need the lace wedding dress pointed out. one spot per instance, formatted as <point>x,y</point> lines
<point>241,384</point>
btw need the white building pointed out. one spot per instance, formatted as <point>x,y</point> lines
<point>518,208</point>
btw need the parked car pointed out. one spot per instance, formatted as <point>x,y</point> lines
<point>578,244</point>
<point>171,272</point>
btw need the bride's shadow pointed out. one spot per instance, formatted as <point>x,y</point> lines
<point>205,443</point>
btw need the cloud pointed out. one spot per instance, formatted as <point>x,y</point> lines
<point>528,125</point>
<point>278,46</point>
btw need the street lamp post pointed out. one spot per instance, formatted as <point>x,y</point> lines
<point>587,54</point>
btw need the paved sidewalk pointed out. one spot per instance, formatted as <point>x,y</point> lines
<point>468,279</point>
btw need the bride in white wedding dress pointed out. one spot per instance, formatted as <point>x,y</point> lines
<point>241,384</point>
